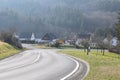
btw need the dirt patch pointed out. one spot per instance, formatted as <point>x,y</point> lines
<point>1,43</point>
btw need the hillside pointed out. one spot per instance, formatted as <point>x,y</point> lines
<point>7,50</point>
<point>58,16</point>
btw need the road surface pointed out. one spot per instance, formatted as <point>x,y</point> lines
<point>40,64</point>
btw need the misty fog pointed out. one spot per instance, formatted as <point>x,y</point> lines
<point>58,16</point>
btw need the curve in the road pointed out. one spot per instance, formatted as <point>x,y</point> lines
<point>76,68</point>
<point>41,65</point>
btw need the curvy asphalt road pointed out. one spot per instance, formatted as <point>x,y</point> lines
<point>41,64</point>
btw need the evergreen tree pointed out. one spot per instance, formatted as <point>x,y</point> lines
<point>118,28</point>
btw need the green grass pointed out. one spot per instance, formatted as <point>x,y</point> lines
<point>105,67</point>
<point>7,50</point>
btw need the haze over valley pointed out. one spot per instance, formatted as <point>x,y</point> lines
<point>58,16</point>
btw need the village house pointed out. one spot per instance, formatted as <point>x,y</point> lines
<point>81,38</point>
<point>48,37</point>
<point>85,38</point>
<point>111,42</point>
<point>114,42</point>
<point>29,38</point>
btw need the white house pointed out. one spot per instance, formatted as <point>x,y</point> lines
<point>93,44</point>
<point>32,37</point>
<point>28,37</point>
<point>114,41</point>
<point>81,38</point>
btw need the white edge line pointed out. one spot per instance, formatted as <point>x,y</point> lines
<point>77,66</point>
<point>38,57</point>
<point>88,67</point>
<point>87,64</point>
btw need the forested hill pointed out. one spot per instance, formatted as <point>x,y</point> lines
<point>58,16</point>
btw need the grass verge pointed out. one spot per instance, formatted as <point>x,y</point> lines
<point>105,67</point>
<point>7,50</point>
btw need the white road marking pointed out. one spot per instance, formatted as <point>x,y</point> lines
<point>76,68</point>
<point>88,67</point>
<point>38,57</point>
<point>15,67</point>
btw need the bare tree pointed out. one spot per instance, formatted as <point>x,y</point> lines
<point>9,37</point>
<point>86,45</point>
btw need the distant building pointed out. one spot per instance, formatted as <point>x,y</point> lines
<point>114,41</point>
<point>81,38</point>
<point>32,37</point>
<point>93,44</point>
<point>25,36</point>
<point>29,38</point>
<point>70,42</point>
<point>49,37</point>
